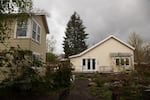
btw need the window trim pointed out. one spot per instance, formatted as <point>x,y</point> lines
<point>15,31</point>
<point>124,61</point>
<point>36,54</point>
<point>37,25</point>
<point>83,62</point>
<point>93,64</point>
<point>117,61</point>
<point>85,67</point>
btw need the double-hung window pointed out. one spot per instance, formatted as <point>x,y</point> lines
<point>34,25</point>
<point>21,29</point>
<point>36,32</point>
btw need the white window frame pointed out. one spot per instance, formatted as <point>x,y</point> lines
<point>36,33</point>
<point>124,58</point>
<point>85,67</point>
<point>36,54</point>
<point>27,31</point>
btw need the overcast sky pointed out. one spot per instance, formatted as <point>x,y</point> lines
<point>100,17</point>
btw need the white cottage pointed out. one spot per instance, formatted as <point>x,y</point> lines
<point>109,55</point>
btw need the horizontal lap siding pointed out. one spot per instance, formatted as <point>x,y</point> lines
<point>40,47</point>
<point>102,54</point>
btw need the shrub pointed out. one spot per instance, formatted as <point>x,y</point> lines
<point>24,80</point>
<point>63,75</point>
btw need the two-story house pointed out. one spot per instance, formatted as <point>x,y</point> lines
<point>30,35</point>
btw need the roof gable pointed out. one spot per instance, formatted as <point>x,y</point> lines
<point>101,42</point>
<point>44,20</point>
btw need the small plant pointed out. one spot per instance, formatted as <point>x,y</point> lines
<point>81,76</point>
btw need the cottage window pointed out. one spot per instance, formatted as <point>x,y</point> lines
<point>117,61</point>
<point>83,62</point>
<point>122,61</point>
<point>93,63</point>
<point>38,34</point>
<point>89,63</point>
<point>21,29</point>
<point>127,61</point>
<point>36,31</point>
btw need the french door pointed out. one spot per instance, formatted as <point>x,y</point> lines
<point>89,64</point>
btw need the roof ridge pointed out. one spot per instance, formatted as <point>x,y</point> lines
<point>97,44</point>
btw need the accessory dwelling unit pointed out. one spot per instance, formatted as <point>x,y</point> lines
<point>109,55</point>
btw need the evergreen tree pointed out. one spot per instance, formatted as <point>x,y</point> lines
<point>74,42</point>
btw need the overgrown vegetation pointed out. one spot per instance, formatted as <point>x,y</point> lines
<point>22,78</point>
<point>142,48</point>
<point>51,58</point>
<point>123,86</point>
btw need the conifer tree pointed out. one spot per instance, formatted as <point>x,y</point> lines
<point>75,39</point>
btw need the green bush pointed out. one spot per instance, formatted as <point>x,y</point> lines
<point>24,80</point>
<point>51,58</point>
<point>63,75</point>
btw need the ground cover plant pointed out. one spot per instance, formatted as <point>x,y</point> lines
<point>121,86</point>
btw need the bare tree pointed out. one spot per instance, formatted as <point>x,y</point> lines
<point>146,52</point>
<point>50,43</point>
<point>137,42</point>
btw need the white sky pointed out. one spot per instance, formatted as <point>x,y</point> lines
<point>100,17</point>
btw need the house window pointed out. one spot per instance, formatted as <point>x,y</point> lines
<point>38,34</point>
<point>117,61</point>
<point>83,62</point>
<point>89,63</point>
<point>36,56</point>
<point>36,31</point>
<point>127,61</point>
<point>122,61</point>
<point>93,63</point>
<point>21,29</point>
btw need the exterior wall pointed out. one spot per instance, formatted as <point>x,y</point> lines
<point>102,55</point>
<point>40,47</point>
<point>26,42</point>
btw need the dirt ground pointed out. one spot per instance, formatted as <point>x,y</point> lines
<point>79,91</point>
